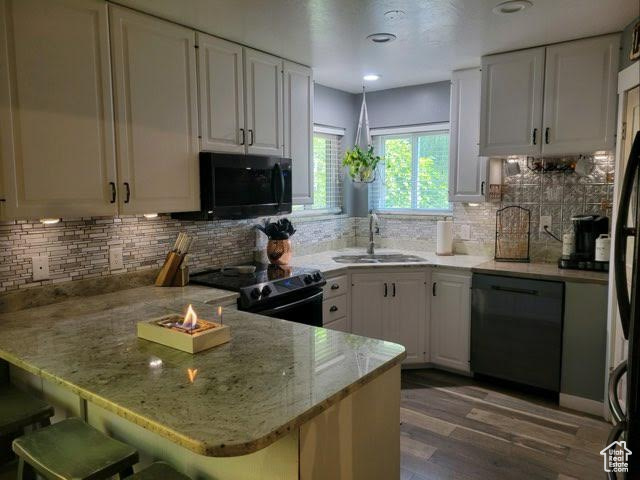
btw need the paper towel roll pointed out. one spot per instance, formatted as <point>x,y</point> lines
<point>444,237</point>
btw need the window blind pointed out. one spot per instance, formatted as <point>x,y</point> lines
<point>327,172</point>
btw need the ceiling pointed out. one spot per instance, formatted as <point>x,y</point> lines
<point>434,36</point>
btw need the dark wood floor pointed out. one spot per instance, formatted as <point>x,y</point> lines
<point>454,427</point>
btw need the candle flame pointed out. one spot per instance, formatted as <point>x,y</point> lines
<point>192,372</point>
<point>190,319</point>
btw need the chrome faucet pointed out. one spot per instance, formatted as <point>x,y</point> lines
<point>373,220</point>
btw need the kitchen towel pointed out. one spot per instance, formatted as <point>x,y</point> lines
<point>444,237</point>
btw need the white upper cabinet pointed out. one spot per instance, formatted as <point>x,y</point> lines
<point>298,129</point>
<point>467,170</point>
<point>511,104</point>
<point>264,114</point>
<point>56,121</point>
<point>221,92</point>
<point>450,320</point>
<point>154,65</point>
<point>580,96</point>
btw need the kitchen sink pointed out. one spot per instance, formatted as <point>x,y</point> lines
<point>382,258</point>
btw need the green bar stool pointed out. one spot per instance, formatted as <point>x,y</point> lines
<point>73,450</point>
<point>19,410</point>
<point>158,471</point>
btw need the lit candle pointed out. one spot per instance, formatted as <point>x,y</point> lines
<point>220,314</point>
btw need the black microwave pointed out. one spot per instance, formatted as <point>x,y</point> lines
<point>242,186</point>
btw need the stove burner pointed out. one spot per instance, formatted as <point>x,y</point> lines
<point>267,283</point>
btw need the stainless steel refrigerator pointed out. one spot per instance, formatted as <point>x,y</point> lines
<point>627,281</point>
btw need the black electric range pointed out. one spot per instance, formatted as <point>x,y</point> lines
<point>287,292</point>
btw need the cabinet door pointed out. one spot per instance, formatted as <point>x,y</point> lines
<point>580,96</point>
<point>221,89</point>
<point>341,324</point>
<point>369,305</point>
<point>265,126</point>
<point>450,320</point>
<point>511,103</point>
<point>406,314</point>
<point>57,141</point>
<point>154,65</point>
<point>467,170</point>
<point>298,129</point>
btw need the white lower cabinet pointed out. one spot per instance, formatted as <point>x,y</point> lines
<point>335,308</point>
<point>450,319</point>
<point>392,305</point>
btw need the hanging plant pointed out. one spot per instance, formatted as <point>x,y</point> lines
<point>362,164</point>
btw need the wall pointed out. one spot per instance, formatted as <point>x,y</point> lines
<point>558,194</point>
<point>335,108</point>
<point>625,47</point>
<point>416,105</point>
<point>79,248</point>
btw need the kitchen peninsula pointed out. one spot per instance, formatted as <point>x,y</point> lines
<point>281,400</point>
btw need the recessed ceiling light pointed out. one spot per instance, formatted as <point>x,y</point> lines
<point>371,77</point>
<point>394,14</point>
<point>511,6</point>
<point>381,37</point>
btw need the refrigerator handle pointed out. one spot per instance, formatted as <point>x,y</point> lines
<point>614,403</point>
<point>622,232</point>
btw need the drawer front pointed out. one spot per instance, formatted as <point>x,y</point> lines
<point>341,325</point>
<point>334,308</point>
<point>336,286</point>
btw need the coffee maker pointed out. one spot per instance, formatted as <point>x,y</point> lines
<point>582,254</point>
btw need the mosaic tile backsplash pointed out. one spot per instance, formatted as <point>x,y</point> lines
<point>79,248</point>
<point>558,194</point>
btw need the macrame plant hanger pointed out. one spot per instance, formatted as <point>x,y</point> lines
<point>363,134</point>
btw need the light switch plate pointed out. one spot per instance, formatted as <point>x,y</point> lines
<point>545,220</point>
<point>116,262</point>
<point>465,232</point>
<point>40,266</point>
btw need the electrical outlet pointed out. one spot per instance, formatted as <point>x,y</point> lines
<point>465,232</point>
<point>40,267</point>
<point>545,220</point>
<point>116,262</point>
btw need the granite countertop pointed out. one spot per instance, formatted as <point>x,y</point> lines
<point>541,271</point>
<point>269,379</point>
<point>544,271</point>
<point>324,262</point>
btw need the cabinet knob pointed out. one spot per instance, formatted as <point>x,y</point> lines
<point>333,308</point>
<point>335,286</point>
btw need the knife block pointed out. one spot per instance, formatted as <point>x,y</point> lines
<point>170,269</point>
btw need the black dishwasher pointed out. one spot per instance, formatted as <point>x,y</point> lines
<point>516,329</point>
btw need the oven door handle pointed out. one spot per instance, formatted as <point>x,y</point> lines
<point>297,303</point>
